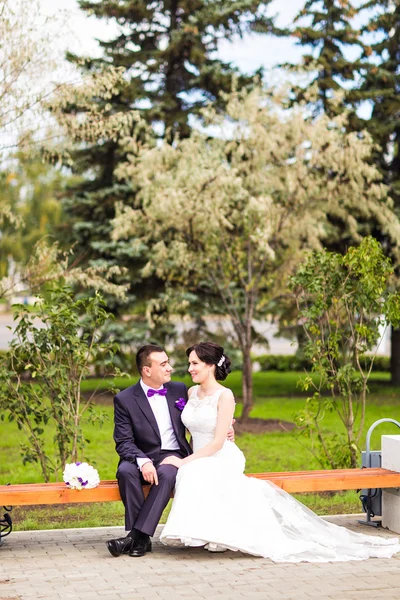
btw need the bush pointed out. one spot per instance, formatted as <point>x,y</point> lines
<point>293,362</point>
<point>381,363</point>
<point>281,362</point>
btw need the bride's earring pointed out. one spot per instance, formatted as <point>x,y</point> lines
<point>209,372</point>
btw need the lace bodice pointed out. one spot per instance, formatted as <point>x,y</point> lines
<point>200,417</point>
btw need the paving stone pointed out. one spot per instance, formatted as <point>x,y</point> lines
<point>75,564</point>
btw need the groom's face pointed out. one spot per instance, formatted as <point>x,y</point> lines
<point>159,371</point>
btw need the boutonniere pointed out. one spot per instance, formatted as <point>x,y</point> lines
<point>180,403</point>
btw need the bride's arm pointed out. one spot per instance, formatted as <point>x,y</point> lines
<point>190,390</point>
<point>226,408</point>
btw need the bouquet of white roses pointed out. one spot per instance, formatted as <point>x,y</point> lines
<point>80,476</point>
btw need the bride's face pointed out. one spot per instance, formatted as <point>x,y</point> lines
<point>198,369</point>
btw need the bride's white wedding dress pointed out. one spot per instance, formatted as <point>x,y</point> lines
<point>217,506</point>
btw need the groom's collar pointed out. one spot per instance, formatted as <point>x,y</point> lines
<point>146,387</point>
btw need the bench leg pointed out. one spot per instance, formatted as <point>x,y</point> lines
<point>367,501</point>
<point>5,524</point>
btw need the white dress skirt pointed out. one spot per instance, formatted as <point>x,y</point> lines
<point>217,506</point>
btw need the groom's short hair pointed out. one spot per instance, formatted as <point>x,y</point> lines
<point>142,356</point>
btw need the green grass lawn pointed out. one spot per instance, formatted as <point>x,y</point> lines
<point>273,383</point>
<point>276,397</point>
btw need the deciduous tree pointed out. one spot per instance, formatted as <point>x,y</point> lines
<point>167,54</point>
<point>226,218</point>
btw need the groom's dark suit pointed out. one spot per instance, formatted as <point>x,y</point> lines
<point>136,435</point>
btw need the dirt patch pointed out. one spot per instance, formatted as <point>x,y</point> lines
<point>250,426</point>
<point>263,426</point>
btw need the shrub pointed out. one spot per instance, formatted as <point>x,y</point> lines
<point>56,356</point>
<point>293,362</point>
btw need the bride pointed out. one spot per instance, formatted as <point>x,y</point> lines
<point>218,507</point>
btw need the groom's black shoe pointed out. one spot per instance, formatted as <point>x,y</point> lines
<point>120,545</point>
<point>142,546</point>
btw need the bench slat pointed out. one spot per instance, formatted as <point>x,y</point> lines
<point>290,481</point>
<point>350,479</point>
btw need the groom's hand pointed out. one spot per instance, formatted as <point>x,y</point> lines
<point>149,473</point>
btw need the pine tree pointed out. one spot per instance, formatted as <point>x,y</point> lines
<point>325,28</point>
<point>381,88</point>
<point>167,51</point>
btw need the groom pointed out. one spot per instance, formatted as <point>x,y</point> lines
<point>147,428</point>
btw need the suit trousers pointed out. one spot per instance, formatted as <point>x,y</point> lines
<point>140,513</point>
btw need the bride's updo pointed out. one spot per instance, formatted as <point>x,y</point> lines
<point>213,354</point>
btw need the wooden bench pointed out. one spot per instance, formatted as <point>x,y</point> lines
<point>291,481</point>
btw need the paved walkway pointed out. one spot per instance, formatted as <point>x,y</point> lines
<point>75,564</point>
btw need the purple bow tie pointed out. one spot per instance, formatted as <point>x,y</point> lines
<point>162,392</point>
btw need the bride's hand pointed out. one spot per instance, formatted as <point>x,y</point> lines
<point>172,460</point>
<point>231,432</point>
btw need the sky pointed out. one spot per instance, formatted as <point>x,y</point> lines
<point>248,54</point>
<point>74,31</point>
<point>71,29</point>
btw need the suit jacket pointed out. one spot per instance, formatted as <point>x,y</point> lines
<point>136,433</point>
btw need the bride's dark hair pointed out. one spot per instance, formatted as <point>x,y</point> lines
<point>213,354</point>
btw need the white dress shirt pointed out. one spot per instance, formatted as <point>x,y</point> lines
<point>159,406</point>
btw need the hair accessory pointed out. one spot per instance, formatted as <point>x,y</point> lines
<point>221,361</point>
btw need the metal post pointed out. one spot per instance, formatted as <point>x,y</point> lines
<point>368,465</point>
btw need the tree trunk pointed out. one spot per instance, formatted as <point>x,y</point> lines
<point>353,454</point>
<point>247,385</point>
<point>395,357</point>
